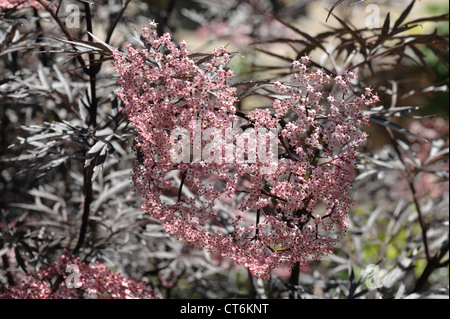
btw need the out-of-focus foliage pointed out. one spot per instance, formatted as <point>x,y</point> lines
<point>67,150</point>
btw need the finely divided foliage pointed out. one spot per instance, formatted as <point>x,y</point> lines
<point>221,174</point>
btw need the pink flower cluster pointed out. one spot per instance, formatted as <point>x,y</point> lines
<point>291,213</point>
<point>70,278</point>
<point>8,4</point>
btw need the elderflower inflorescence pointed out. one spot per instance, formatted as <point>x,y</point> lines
<point>89,281</point>
<point>282,209</point>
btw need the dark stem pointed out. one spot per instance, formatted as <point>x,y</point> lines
<point>92,71</point>
<point>116,20</point>
<point>432,265</point>
<point>293,281</point>
<point>88,197</point>
<point>258,215</point>
<point>183,177</point>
